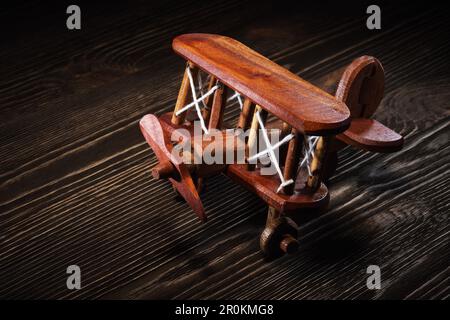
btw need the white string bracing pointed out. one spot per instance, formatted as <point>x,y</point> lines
<point>237,96</point>
<point>309,142</point>
<point>201,87</point>
<point>310,145</point>
<point>270,151</point>
<point>195,102</point>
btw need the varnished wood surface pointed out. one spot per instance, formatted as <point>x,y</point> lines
<point>304,106</point>
<point>266,188</point>
<point>371,135</point>
<point>76,186</point>
<point>361,86</point>
<point>159,141</point>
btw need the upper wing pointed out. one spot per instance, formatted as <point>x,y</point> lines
<point>274,88</point>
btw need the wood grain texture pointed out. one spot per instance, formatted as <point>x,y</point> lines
<point>369,134</point>
<point>266,188</point>
<point>76,186</point>
<point>160,143</point>
<point>361,88</point>
<point>307,108</point>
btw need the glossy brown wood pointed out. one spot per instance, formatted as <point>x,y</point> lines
<point>277,90</point>
<point>371,135</point>
<point>266,187</point>
<point>218,106</point>
<point>162,147</point>
<point>209,100</point>
<point>292,160</point>
<point>184,94</point>
<point>320,153</point>
<point>202,170</point>
<point>252,143</point>
<point>361,87</point>
<point>211,108</point>
<point>279,235</point>
<point>262,185</point>
<point>163,170</point>
<point>246,114</point>
<point>289,244</point>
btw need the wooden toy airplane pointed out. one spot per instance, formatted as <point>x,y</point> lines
<point>314,124</point>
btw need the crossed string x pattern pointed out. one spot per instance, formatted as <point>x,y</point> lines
<point>195,100</point>
<point>310,141</point>
<point>270,152</point>
<point>310,144</point>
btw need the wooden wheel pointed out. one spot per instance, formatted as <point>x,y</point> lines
<point>279,236</point>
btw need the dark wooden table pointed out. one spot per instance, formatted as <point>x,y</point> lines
<point>76,186</point>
